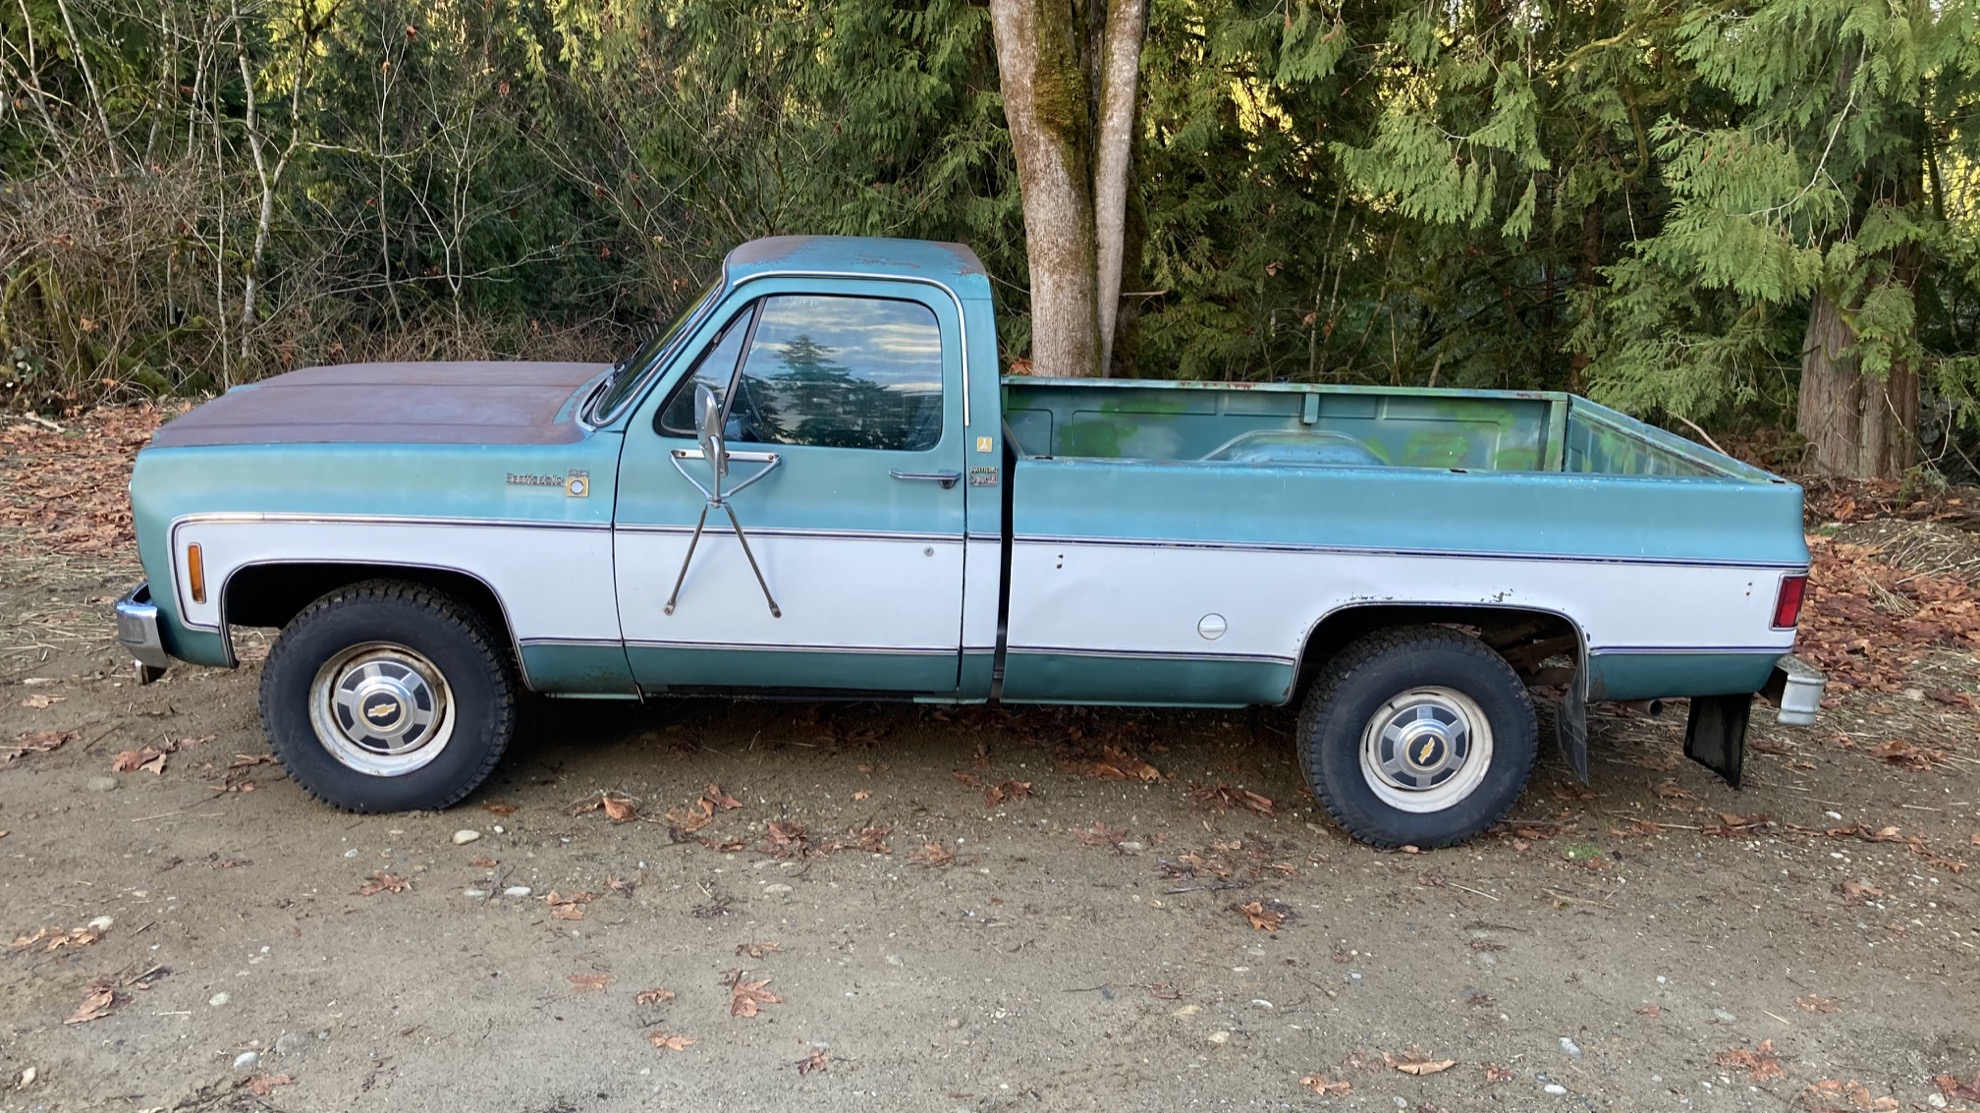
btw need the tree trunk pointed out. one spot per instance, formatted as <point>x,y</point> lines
<point>1120,66</point>
<point>1856,426</point>
<point>1070,104</point>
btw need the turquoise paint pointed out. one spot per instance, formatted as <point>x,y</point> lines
<point>417,481</point>
<point>1620,676</point>
<point>195,646</point>
<point>661,669</point>
<point>1388,510</point>
<point>978,671</point>
<point>566,669</point>
<point>1033,677</point>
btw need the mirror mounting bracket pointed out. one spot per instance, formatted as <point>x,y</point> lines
<point>718,499</point>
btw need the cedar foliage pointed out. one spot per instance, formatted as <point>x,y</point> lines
<point>1646,201</point>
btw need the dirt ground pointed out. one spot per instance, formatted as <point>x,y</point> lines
<point>956,910</point>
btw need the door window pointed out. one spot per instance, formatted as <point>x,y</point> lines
<point>717,368</point>
<point>835,372</point>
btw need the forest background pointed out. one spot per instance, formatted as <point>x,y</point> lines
<point>1759,218</point>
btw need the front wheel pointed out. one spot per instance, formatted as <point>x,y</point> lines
<point>1418,736</point>
<point>387,696</point>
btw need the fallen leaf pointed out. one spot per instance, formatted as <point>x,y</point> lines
<point>1327,1087</point>
<point>1837,1095</point>
<point>568,907</point>
<point>863,794</point>
<point>485,863</point>
<point>54,940</point>
<point>1899,752</point>
<point>1005,790</point>
<point>1858,892</point>
<point>746,998</point>
<point>619,884</point>
<point>1732,825</point>
<point>1814,1004</point>
<point>1758,1062</point>
<point>813,1062</point>
<point>788,840</point>
<point>1950,1086</point>
<point>757,950</point>
<point>97,1001</point>
<point>619,809</point>
<point>687,822</point>
<point>1415,1062</point>
<point>262,1085</point>
<point>382,882</point>
<point>36,742</point>
<point>131,761</point>
<point>719,800</point>
<point>589,983</point>
<point>500,808</point>
<point>1261,917</point>
<point>931,855</point>
<point>1650,1010</point>
<point>1102,835</point>
<point>1495,1073</point>
<point>653,997</point>
<point>1364,1061</point>
<point>39,702</point>
<point>669,1042</point>
<point>1669,789</point>
<point>1221,797</point>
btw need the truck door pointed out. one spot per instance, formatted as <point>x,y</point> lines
<point>842,422</point>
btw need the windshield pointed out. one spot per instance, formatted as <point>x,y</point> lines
<point>629,373</point>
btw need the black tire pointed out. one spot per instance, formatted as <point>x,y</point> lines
<point>1442,677</point>
<point>413,639</point>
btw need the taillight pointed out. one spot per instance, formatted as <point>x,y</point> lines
<point>1787,605</point>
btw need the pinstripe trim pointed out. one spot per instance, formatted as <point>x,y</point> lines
<point>1370,550</point>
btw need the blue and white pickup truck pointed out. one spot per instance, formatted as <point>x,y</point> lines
<point>816,484</point>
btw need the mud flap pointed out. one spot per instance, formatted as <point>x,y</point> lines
<point>1571,725</point>
<point>1715,735</point>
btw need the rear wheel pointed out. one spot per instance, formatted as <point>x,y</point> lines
<point>1418,736</point>
<point>388,696</point>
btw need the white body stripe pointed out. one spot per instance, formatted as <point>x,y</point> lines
<point>900,593</point>
<point>554,583</point>
<point>1068,595</point>
<point>983,587</point>
<point>835,591</point>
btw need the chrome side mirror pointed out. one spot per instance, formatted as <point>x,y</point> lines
<point>708,430</point>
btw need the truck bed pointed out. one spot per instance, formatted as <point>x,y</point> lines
<point>1344,426</point>
<point>1316,500</point>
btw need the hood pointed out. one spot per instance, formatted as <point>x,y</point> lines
<point>394,403</point>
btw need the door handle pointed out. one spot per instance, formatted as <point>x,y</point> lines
<point>947,479</point>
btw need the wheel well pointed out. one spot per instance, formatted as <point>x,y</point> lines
<point>272,594</point>
<point>1525,638</point>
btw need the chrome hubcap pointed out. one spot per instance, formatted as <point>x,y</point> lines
<point>1426,749</point>
<point>381,709</point>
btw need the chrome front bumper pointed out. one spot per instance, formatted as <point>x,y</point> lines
<point>137,629</point>
<point>1797,690</point>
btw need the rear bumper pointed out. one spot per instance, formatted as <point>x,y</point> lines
<point>1797,690</point>
<point>137,628</point>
